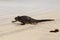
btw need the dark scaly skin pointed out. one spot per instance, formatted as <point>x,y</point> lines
<point>28,20</point>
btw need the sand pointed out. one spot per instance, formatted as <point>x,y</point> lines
<point>40,31</point>
<point>38,9</point>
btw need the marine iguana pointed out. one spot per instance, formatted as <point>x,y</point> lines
<point>28,20</point>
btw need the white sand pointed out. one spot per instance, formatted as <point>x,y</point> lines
<point>40,31</point>
<point>10,31</point>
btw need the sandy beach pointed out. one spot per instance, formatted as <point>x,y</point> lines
<point>40,31</point>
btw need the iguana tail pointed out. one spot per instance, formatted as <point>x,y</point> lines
<point>44,20</point>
